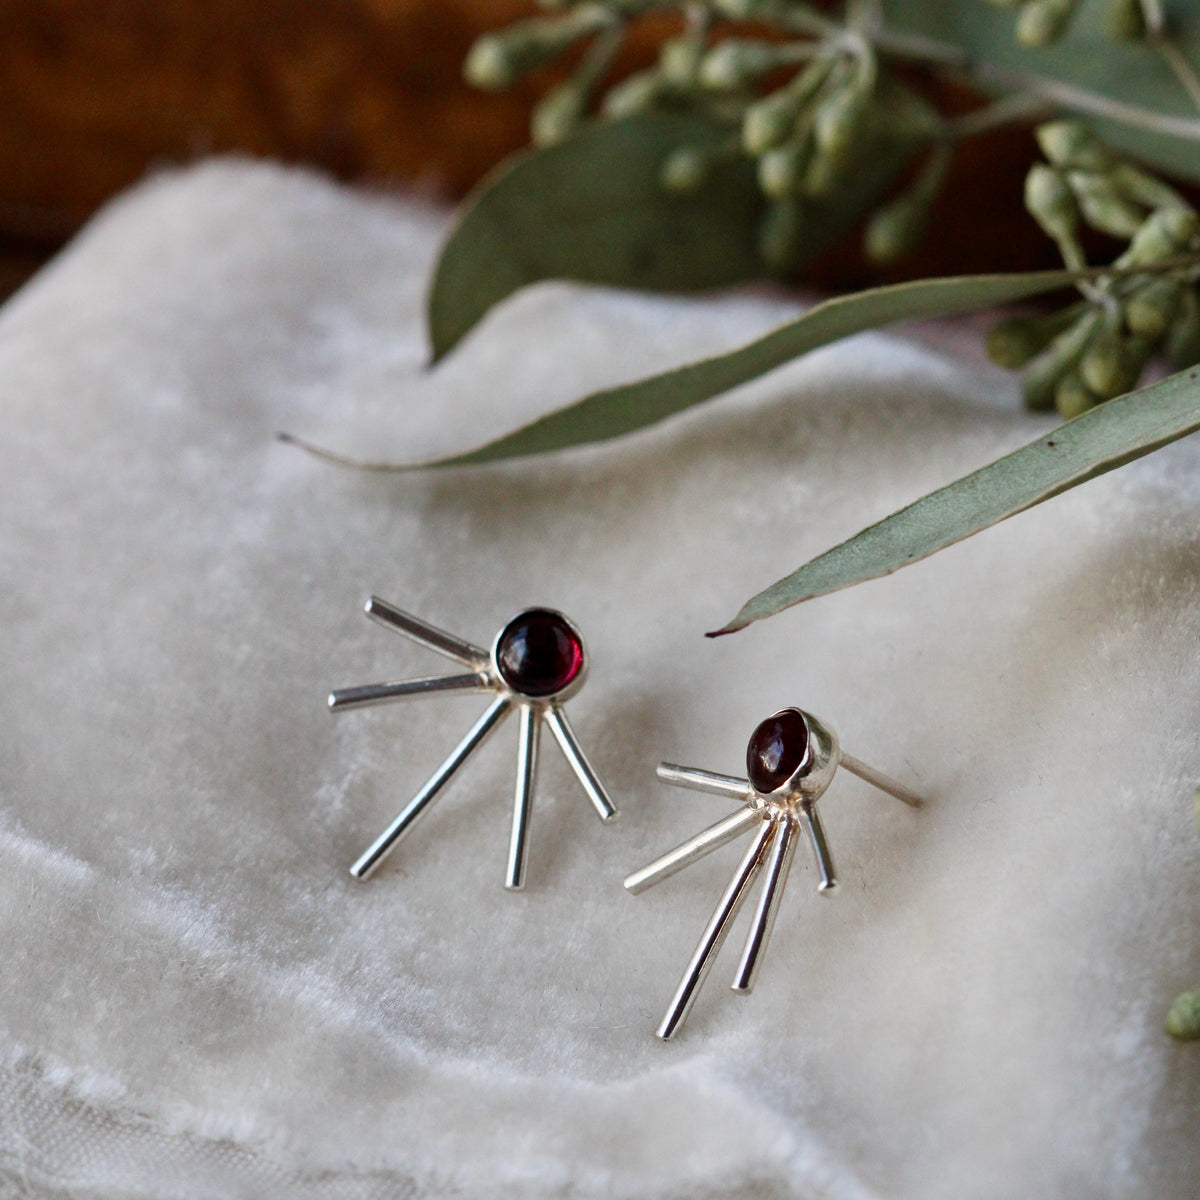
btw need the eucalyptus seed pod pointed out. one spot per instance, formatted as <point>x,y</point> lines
<point>498,60</point>
<point>770,121</point>
<point>1112,364</point>
<point>752,10</point>
<point>684,170</point>
<point>679,60</point>
<point>1044,21</point>
<point>839,118</point>
<point>1104,206</point>
<point>736,63</point>
<point>1143,188</point>
<point>781,169</point>
<point>773,119</point>
<point>559,113</point>
<point>637,93</point>
<point>1164,234</point>
<point>1071,145</point>
<point>1072,396</point>
<point>779,236</point>
<point>1182,344</point>
<point>1180,225</point>
<point>1040,378</point>
<point>1125,20</point>
<point>1051,203</point>
<point>897,227</point>
<point>1183,1018</point>
<point>1013,341</point>
<point>1150,310</point>
<point>822,175</point>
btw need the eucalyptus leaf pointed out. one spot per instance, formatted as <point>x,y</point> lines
<point>593,209</point>
<point>617,411</point>
<point>1100,440</point>
<point>1132,73</point>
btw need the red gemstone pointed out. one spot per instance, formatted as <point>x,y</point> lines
<point>539,653</point>
<point>777,747</point>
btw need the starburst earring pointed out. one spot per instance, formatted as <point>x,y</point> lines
<point>791,760</point>
<point>536,662</point>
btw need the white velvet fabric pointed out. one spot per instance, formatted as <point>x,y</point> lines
<point>197,998</point>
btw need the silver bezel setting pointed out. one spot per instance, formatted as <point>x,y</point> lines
<point>815,772</point>
<point>563,694</point>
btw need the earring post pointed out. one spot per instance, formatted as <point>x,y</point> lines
<point>881,781</point>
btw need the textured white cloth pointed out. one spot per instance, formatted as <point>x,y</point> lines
<point>199,1001</point>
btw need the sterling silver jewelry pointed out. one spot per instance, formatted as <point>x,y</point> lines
<point>536,662</point>
<point>791,759</point>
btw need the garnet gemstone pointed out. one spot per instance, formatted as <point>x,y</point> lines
<point>777,747</point>
<point>539,653</point>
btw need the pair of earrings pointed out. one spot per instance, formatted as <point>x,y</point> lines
<point>537,662</point>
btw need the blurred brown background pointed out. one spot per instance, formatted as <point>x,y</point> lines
<point>97,92</point>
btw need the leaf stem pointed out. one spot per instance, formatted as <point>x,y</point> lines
<point>1020,106</point>
<point>917,48</point>
<point>1175,58</point>
<point>1152,13</point>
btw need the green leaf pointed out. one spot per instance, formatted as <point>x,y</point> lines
<point>592,209</point>
<point>1132,73</point>
<point>1100,440</point>
<point>621,410</point>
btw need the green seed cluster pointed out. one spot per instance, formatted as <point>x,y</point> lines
<point>804,108</point>
<point>1097,349</point>
<point>1040,22</point>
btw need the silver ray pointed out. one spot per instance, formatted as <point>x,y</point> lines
<point>714,933</point>
<point>386,841</point>
<point>527,757</point>
<point>705,781</point>
<point>428,635</point>
<point>775,874</point>
<point>367,694</point>
<point>573,752</point>
<point>820,847</point>
<point>694,849</point>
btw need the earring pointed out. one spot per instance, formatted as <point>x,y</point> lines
<point>791,760</point>
<point>536,662</point>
